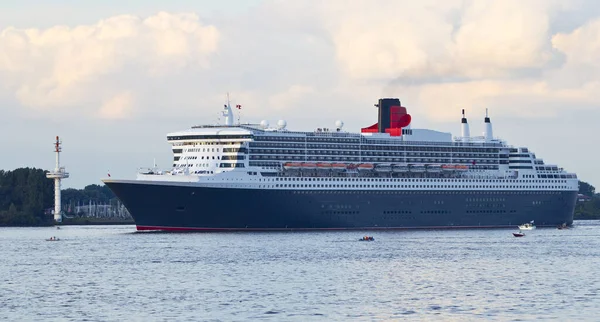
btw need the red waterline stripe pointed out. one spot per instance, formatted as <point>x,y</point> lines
<point>166,228</point>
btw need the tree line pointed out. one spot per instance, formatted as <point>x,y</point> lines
<point>588,209</point>
<point>26,195</point>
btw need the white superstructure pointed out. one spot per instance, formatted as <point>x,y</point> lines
<point>257,156</point>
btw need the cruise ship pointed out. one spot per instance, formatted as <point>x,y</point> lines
<point>236,177</point>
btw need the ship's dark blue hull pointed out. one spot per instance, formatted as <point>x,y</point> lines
<point>185,207</point>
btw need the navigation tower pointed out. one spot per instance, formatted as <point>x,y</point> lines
<point>58,174</point>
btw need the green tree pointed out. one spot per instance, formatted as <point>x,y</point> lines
<point>586,189</point>
<point>24,194</point>
<point>588,209</point>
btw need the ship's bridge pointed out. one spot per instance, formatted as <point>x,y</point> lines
<point>210,133</point>
<point>206,150</point>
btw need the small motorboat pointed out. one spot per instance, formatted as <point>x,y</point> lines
<point>53,239</point>
<point>563,226</point>
<point>519,234</point>
<point>527,226</point>
<point>367,238</point>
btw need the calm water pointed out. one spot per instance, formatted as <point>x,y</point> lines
<point>110,273</point>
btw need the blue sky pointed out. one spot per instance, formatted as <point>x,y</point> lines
<point>112,78</point>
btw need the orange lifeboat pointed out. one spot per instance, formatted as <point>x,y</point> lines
<point>309,165</point>
<point>448,167</point>
<point>324,166</point>
<point>365,166</point>
<point>338,166</point>
<point>292,165</point>
<point>461,167</point>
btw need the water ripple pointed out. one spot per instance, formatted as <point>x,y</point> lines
<point>111,274</point>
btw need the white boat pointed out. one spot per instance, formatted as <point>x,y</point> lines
<point>527,226</point>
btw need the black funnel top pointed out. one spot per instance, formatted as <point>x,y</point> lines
<point>384,112</point>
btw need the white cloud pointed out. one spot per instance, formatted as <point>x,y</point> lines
<point>439,57</point>
<point>118,107</point>
<point>500,35</point>
<point>310,63</point>
<point>290,97</point>
<point>62,67</point>
<point>581,49</point>
<point>474,39</point>
<point>443,102</point>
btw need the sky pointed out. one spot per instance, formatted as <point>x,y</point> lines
<point>112,78</point>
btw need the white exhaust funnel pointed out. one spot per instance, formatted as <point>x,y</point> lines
<point>489,135</point>
<point>465,128</point>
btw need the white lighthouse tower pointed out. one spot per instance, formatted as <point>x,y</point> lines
<point>58,174</point>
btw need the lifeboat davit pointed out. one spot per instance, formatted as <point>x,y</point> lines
<point>292,165</point>
<point>365,167</point>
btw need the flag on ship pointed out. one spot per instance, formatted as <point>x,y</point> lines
<point>239,107</point>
